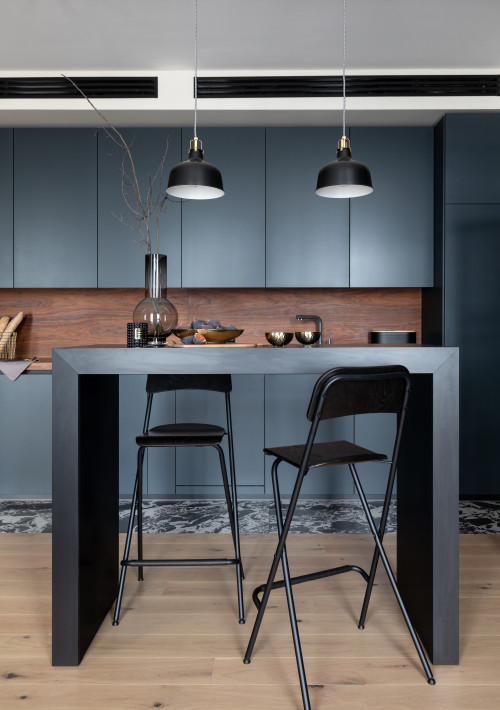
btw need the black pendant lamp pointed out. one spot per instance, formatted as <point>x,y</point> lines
<point>344,177</point>
<point>194,179</point>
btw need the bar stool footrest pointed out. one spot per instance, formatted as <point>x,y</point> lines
<point>178,563</point>
<point>308,578</point>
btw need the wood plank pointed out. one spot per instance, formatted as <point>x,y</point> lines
<point>179,644</point>
<point>278,696</point>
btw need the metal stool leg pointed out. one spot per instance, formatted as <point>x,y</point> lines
<point>277,558</point>
<point>140,460</point>
<point>126,554</point>
<point>233,517</point>
<point>289,594</point>
<point>392,580</point>
<point>381,533</point>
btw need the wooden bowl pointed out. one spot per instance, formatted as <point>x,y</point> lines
<point>211,336</point>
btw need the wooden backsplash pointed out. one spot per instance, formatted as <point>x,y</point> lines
<point>66,317</point>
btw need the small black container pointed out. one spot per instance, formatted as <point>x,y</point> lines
<point>393,337</point>
<point>137,335</point>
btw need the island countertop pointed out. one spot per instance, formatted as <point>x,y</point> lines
<point>246,361</point>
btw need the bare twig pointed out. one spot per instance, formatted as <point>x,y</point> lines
<point>145,203</point>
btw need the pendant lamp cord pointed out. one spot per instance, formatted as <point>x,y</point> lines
<point>343,79</point>
<point>196,63</point>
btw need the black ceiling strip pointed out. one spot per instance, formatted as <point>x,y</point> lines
<point>304,86</point>
<point>119,87</point>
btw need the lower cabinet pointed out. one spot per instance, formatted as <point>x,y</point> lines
<point>266,411</point>
<point>198,469</point>
<point>376,432</point>
<point>26,436</point>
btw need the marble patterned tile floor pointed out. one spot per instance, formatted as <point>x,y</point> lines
<point>256,516</point>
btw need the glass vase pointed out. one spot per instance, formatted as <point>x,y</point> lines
<point>155,309</point>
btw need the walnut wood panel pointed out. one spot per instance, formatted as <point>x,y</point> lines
<point>348,315</point>
<point>58,318</point>
<point>61,318</point>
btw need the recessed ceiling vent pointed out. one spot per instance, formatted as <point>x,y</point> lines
<point>304,86</point>
<point>96,87</point>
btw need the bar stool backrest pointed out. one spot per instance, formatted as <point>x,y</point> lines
<point>168,383</point>
<point>344,391</point>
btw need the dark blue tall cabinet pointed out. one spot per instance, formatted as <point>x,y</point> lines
<point>464,308</point>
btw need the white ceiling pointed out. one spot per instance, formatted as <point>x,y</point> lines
<point>245,36</point>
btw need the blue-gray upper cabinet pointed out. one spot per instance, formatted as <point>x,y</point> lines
<point>471,173</point>
<point>392,229</point>
<point>55,207</point>
<point>121,262</point>
<point>6,222</point>
<point>307,237</point>
<point>223,240</point>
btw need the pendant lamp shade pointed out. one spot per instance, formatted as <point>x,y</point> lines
<point>344,177</point>
<point>194,179</point>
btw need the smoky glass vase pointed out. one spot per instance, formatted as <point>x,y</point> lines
<point>155,309</point>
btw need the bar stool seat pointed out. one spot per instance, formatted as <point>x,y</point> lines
<point>184,434</point>
<point>329,453</point>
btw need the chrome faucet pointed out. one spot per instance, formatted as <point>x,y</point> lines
<point>320,324</point>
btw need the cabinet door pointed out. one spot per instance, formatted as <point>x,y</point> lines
<point>198,469</point>
<point>392,228</point>
<point>6,222</point>
<point>121,262</point>
<point>223,240</point>
<point>55,207</point>
<point>26,411</point>
<point>287,399</point>
<point>472,156</point>
<point>376,432</point>
<point>472,314</point>
<point>307,237</point>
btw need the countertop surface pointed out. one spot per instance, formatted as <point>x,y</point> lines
<point>258,360</point>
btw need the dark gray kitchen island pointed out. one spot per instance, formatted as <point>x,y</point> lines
<point>85,476</point>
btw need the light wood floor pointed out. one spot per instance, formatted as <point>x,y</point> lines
<point>179,645</point>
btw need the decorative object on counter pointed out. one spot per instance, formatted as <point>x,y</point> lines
<point>7,339</point>
<point>147,202</point>
<point>319,322</point>
<point>307,337</point>
<point>11,367</point>
<point>278,338</point>
<point>395,337</point>
<point>206,331</point>
<point>194,179</point>
<point>8,346</point>
<point>155,309</point>
<point>137,335</point>
<point>344,177</point>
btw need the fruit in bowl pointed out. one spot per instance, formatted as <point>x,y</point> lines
<point>212,331</point>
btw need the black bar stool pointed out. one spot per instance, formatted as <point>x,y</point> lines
<point>339,392</point>
<point>188,434</point>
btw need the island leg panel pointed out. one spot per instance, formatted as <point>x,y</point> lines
<point>85,508</point>
<point>428,514</point>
